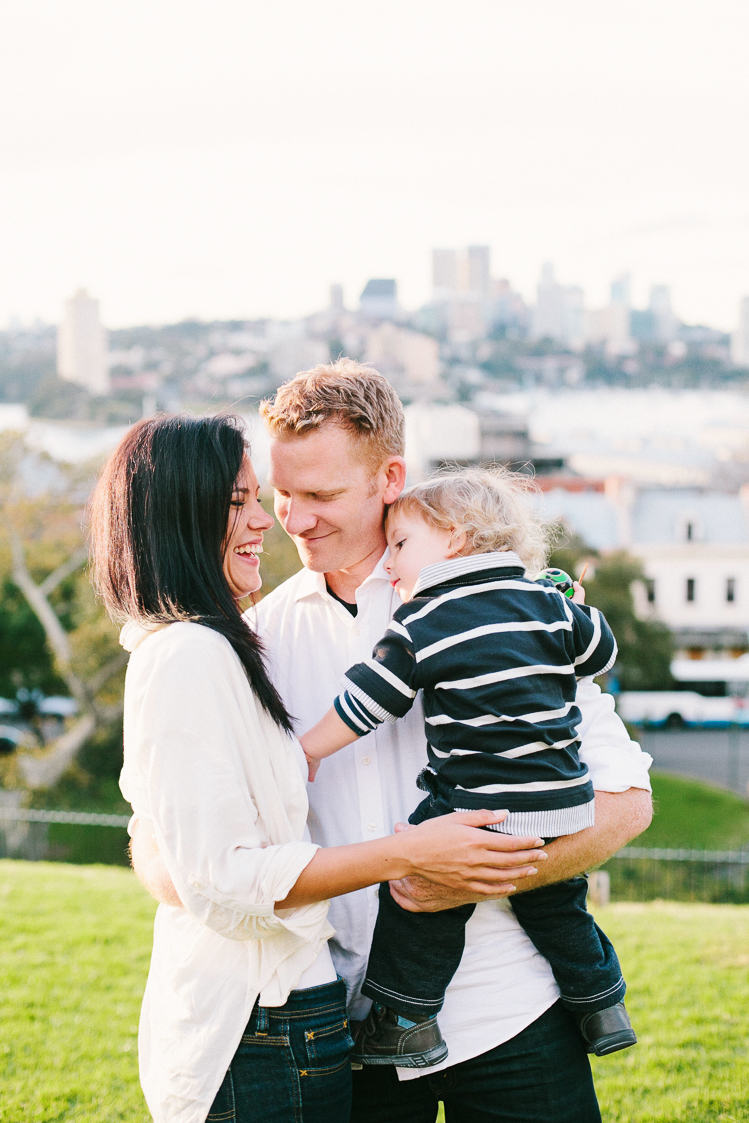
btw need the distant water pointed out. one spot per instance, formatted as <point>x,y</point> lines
<point>70,442</point>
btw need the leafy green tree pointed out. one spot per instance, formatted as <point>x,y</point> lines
<point>645,646</point>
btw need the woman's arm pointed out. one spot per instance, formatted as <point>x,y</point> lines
<point>448,851</point>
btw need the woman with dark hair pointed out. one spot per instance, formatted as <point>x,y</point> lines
<point>243,1017</point>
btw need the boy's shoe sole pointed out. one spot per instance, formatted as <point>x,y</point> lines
<point>407,1060</point>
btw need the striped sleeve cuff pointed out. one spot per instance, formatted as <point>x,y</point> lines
<point>354,715</point>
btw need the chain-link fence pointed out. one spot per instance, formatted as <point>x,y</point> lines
<point>64,836</point>
<point>634,874</point>
<point>716,876</point>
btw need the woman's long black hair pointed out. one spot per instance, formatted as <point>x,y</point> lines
<point>160,523</point>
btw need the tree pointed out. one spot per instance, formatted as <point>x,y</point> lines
<point>44,541</point>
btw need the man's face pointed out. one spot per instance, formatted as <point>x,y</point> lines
<point>329,499</point>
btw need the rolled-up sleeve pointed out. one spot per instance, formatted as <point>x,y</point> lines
<point>615,762</point>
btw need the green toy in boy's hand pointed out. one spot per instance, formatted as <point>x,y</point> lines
<point>562,580</point>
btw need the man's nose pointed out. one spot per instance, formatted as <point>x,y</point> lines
<point>296,518</point>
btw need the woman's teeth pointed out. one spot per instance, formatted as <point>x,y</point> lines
<point>254,550</point>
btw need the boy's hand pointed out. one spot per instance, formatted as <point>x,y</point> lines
<point>578,596</point>
<point>313,764</point>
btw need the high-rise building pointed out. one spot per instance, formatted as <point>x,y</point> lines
<point>740,338</point>
<point>82,344</point>
<point>461,274</point>
<point>665,324</point>
<point>559,313</point>
<point>478,270</point>
<point>336,298</point>
<point>380,299</point>
<point>444,275</point>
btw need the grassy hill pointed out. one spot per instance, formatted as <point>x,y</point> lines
<point>692,814</point>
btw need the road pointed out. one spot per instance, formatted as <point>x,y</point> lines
<point>720,756</point>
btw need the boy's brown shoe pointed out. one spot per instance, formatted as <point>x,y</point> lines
<point>382,1039</point>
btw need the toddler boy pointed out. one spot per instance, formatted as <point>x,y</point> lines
<point>497,657</point>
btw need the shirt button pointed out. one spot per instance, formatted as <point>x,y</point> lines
<point>373,826</point>
<point>365,760</point>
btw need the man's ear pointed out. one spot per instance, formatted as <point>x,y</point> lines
<point>457,542</point>
<point>394,470</point>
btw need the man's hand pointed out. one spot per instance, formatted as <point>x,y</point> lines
<point>620,817</point>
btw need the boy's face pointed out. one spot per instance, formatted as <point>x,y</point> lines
<point>414,544</point>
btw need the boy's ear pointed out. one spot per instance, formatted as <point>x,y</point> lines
<point>457,542</point>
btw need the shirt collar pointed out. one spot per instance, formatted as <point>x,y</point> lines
<point>455,568</point>
<point>310,583</point>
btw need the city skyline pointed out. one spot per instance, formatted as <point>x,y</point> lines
<point>181,159</point>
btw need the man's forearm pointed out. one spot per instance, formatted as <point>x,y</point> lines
<point>620,817</point>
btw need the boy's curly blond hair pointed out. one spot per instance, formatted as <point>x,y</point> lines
<point>490,504</point>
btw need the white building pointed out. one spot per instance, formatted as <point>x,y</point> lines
<point>559,312</point>
<point>82,345</point>
<point>694,546</point>
<point>665,323</point>
<point>403,355</point>
<point>612,325</point>
<point>436,433</point>
<point>740,338</point>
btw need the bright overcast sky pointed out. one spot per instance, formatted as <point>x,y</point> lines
<point>231,158</point>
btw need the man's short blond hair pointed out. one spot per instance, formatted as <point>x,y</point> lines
<point>491,505</point>
<point>346,393</point>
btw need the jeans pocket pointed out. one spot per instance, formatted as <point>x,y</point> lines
<point>328,1048</point>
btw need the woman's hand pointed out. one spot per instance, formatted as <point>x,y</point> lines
<point>461,862</point>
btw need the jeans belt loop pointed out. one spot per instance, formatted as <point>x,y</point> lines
<point>261,1027</point>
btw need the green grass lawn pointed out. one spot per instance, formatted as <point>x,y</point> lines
<point>75,947</point>
<point>76,940</point>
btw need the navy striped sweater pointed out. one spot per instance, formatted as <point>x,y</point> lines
<point>497,657</point>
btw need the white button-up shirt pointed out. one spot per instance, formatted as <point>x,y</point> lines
<point>503,984</point>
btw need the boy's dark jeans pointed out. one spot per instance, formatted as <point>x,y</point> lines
<point>292,1063</point>
<point>414,955</point>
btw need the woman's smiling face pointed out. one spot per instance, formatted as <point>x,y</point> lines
<point>244,538</point>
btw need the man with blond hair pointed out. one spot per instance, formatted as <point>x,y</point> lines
<point>337,444</point>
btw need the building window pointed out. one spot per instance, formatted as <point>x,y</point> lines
<point>650,590</point>
<point>690,536</point>
<point>731,589</point>
<point>690,588</point>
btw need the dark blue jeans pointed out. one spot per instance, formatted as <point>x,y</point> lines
<point>415,955</point>
<point>541,1076</point>
<point>292,1065</point>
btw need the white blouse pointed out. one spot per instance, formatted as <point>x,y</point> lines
<point>222,787</point>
